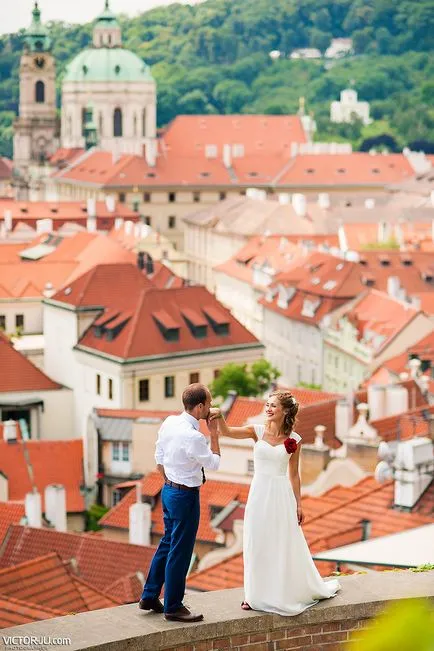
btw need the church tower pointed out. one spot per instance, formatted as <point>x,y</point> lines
<point>36,128</point>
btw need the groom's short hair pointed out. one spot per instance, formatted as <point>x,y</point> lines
<point>193,395</point>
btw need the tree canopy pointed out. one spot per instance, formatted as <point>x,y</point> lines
<point>213,57</point>
<point>253,381</point>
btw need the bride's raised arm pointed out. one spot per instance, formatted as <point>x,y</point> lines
<point>246,432</point>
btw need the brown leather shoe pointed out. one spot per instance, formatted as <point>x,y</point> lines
<point>183,615</point>
<point>151,604</point>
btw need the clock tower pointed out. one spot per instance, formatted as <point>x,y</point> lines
<point>36,128</point>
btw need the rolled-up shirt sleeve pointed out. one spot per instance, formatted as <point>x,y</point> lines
<point>199,450</point>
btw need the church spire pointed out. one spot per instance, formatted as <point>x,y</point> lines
<point>37,38</point>
<point>36,13</point>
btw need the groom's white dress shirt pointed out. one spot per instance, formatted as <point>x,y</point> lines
<point>183,450</point>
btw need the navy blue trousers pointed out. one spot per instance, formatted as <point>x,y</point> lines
<point>172,559</point>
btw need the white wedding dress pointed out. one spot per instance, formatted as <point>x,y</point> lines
<point>279,573</point>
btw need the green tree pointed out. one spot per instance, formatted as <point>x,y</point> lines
<point>245,381</point>
<point>231,95</point>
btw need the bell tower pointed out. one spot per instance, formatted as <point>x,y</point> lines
<point>36,128</point>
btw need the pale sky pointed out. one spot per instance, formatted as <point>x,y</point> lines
<point>15,14</point>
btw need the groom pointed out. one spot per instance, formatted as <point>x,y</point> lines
<point>182,453</point>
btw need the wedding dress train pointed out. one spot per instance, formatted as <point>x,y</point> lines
<point>279,573</point>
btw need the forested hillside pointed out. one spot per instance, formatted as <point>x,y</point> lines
<point>214,58</point>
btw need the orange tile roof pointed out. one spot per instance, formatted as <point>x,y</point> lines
<point>213,493</point>
<point>405,426</point>
<point>65,467</point>
<point>19,374</point>
<point>61,212</point>
<point>99,562</point>
<point>10,513</point>
<point>15,612</point>
<point>331,520</point>
<point>129,588</point>
<point>125,289</point>
<point>65,155</point>
<point>353,169</point>
<point>133,414</point>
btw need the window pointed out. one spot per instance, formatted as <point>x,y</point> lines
<point>216,373</point>
<point>148,221</point>
<point>136,206</point>
<point>222,196</point>
<point>40,92</point>
<point>122,197</point>
<point>125,452</point>
<point>194,377</point>
<point>144,123</point>
<point>116,497</point>
<point>19,321</point>
<point>172,221</point>
<point>172,197</point>
<point>117,123</point>
<point>143,390</point>
<point>116,456</point>
<point>2,321</point>
<point>196,197</point>
<point>169,386</point>
<point>98,384</point>
<point>83,121</point>
<point>100,124</point>
<point>147,197</point>
<point>250,466</point>
<point>110,389</point>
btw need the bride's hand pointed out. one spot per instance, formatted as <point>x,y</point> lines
<point>300,514</point>
<point>214,413</point>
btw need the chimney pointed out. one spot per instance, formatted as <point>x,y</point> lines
<point>55,506</point>
<point>376,401</point>
<point>366,529</point>
<point>342,237</point>
<point>91,207</point>
<point>396,400</point>
<point>343,419</point>
<point>119,222</point>
<point>140,520</point>
<point>151,152</point>
<point>413,470</point>
<point>10,431</point>
<point>319,436</point>
<point>369,204</point>
<point>299,203</point>
<point>32,507</point>
<point>110,203</point>
<point>394,287</point>
<point>48,290</point>
<point>414,365</point>
<point>7,215</point>
<point>362,431</point>
<point>228,402</point>
<point>128,227</point>
<point>227,156</point>
<point>44,226</point>
<point>324,200</point>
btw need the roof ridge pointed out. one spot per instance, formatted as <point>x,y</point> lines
<point>36,559</point>
<point>31,605</point>
<point>79,579</point>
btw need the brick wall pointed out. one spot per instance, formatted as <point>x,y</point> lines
<point>311,637</point>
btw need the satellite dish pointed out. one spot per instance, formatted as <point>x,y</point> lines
<point>384,451</point>
<point>383,472</point>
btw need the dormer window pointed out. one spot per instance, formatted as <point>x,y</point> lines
<point>384,260</point>
<point>196,323</point>
<point>368,280</point>
<point>217,319</point>
<point>310,307</point>
<point>169,328</point>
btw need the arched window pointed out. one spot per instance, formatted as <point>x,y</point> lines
<point>117,123</point>
<point>40,92</point>
<point>144,123</point>
<point>83,121</point>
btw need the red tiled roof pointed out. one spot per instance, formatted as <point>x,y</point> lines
<point>133,414</point>
<point>407,425</point>
<point>5,168</point>
<point>353,169</point>
<point>128,589</point>
<point>125,289</point>
<point>27,212</point>
<point>415,395</point>
<point>14,612</point>
<point>65,467</point>
<point>10,513</point>
<point>19,374</point>
<point>99,562</point>
<point>66,155</point>
<point>213,493</point>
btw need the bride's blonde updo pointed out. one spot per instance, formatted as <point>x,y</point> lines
<point>290,407</point>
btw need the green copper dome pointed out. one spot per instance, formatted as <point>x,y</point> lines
<point>107,64</point>
<point>37,38</point>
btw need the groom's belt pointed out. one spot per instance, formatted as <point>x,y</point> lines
<point>181,486</point>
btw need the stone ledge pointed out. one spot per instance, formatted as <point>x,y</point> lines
<point>126,628</point>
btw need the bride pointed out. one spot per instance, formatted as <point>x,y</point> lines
<point>279,573</point>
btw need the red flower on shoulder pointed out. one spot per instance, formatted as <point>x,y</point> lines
<point>290,445</point>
